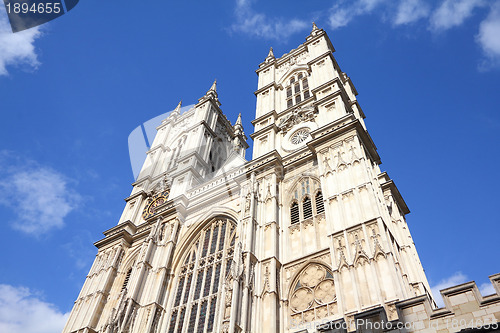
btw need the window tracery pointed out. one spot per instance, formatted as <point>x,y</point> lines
<point>313,295</point>
<point>199,278</point>
<point>308,193</point>
<point>297,89</point>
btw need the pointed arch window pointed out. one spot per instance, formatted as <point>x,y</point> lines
<point>199,278</point>
<point>313,296</point>
<point>297,89</point>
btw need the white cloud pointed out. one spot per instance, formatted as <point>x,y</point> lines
<point>488,38</point>
<point>16,48</point>
<point>259,25</point>
<point>40,197</point>
<point>452,13</point>
<point>23,311</point>
<point>410,11</point>
<point>455,279</point>
<point>487,289</point>
<point>341,14</point>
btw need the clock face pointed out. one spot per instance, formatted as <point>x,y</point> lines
<point>154,203</point>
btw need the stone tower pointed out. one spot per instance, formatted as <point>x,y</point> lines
<point>308,232</point>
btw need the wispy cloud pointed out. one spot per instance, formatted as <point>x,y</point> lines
<point>409,11</point>
<point>18,48</point>
<point>447,14</point>
<point>487,289</point>
<point>343,12</point>
<point>23,311</point>
<point>488,38</point>
<point>452,13</point>
<point>455,279</point>
<point>256,24</point>
<point>39,196</point>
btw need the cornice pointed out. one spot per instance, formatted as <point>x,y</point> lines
<point>268,114</point>
<point>320,57</point>
<point>124,231</point>
<point>135,195</point>
<point>257,164</point>
<point>339,127</point>
<point>267,86</point>
<point>397,196</point>
<point>268,128</point>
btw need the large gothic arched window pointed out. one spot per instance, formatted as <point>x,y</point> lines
<point>200,278</point>
<point>313,295</point>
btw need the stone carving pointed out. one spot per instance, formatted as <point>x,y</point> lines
<point>340,248</point>
<point>247,203</point>
<point>360,256</point>
<point>314,289</point>
<point>301,299</point>
<point>227,303</point>
<point>328,168</point>
<point>297,116</point>
<point>312,275</point>
<point>325,291</point>
<point>340,160</point>
<point>237,262</point>
<point>377,248</point>
<point>267,274</point>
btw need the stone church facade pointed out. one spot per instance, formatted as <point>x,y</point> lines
<point>308,236</point>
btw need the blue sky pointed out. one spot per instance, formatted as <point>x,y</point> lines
<point>71,91</point>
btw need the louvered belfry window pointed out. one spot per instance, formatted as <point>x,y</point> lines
<point>320,206</point>
<point>307,208</point>
<point>294,212</point>
<point>199,281</point>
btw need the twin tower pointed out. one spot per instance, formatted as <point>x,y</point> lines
<point>307,234</point>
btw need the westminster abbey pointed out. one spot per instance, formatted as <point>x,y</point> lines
<point>308,236</point>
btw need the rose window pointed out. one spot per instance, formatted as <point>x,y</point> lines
<point>300,136</point>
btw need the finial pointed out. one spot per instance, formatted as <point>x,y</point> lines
<point>211,94</point>
<point>315,27</point>
<point>271,53</point>
<point>238,121</point>
<point>214,86</point>
<point>177,109</point>
<point>238,126</point>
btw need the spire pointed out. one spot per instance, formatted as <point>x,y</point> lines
<point>270,56</point>
<point>315,27</point>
